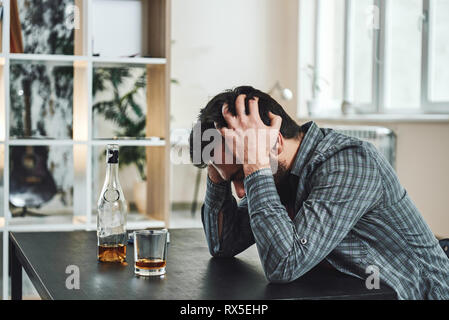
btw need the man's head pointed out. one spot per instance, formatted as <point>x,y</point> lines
<point>211,117</point>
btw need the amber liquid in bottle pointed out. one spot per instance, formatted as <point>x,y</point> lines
<point>112,253</point>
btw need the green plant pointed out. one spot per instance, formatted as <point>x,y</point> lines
<point>136,156</point>
<point>123,110</point>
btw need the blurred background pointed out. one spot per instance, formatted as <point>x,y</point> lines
<point>375,69</point>
<point>76,75</point>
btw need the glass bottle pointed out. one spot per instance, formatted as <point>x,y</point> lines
<point>112,212</point>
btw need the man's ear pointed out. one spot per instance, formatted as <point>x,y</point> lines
<point>279,146</point>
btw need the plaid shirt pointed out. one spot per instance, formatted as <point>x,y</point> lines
<point>350,210</point>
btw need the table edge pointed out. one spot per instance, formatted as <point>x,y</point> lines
<point>29,269</point>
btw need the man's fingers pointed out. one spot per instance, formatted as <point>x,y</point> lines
<point>224,131</point>
<point>254,108</point>
<point>230,119</point>
<point>275,121</point>
<point>240,106</point>
<point>229,138</point>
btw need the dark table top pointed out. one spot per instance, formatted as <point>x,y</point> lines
<point>191,272</point>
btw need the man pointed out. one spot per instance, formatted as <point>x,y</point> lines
<point>329,197</point>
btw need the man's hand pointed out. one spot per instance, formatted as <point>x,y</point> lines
<point>250,140</point>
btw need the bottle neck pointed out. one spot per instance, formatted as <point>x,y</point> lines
<point>112,173</point>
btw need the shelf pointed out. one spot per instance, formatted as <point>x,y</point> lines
<point>42,142</point>
<point>107,62</point>
<point>155,142</point>
<point>70,222</point>
<point>53,59</point>
<point>150,223</point>
<point>134,221</point>
<point>47,223</point>
<point>70,60</point>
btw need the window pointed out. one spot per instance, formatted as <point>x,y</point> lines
<point>374,56</point>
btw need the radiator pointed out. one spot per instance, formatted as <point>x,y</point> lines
<point>383,138</point>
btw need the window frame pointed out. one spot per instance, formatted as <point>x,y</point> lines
<point>426,103</point>
<point>378,89</point>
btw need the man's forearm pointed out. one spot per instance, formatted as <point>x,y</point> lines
<point>215,177</point>
<point>226,224</point>
<point>273,230</point>
<point>212,213</point>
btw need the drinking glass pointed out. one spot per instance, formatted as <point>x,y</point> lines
<point>150,251</point>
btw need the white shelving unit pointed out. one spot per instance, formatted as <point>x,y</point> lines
<point>156,45</point>
<point>67,60</point>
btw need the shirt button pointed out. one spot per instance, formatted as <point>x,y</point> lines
<point>303,241</point>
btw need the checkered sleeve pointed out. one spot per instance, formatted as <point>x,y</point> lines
<point>343,188</point>
<point>236,230</point>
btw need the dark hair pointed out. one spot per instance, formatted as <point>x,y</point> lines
<point>212,112</point>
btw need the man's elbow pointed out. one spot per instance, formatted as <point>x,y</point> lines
<point>284,272</point>
<point>220,253</point>
<point>280,277</point>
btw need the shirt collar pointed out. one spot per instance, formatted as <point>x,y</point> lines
<point>312,137</point>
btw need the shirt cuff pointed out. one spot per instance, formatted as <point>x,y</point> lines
<point>260,190</point>
<point>216,193</point>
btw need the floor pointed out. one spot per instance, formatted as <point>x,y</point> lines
<point>178,219</point>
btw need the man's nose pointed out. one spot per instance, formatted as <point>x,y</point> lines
<point>239,189</point>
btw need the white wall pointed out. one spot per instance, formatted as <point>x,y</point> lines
<point>221,44</point>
